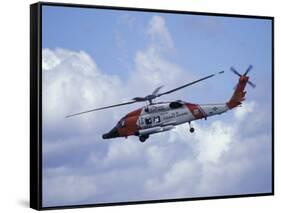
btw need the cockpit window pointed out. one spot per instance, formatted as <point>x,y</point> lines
<point>121,123</point>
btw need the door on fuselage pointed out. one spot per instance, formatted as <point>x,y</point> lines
<point>150,121</point>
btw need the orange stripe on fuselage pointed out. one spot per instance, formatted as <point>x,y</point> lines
<point>196,110</point>
<point>131,126</point>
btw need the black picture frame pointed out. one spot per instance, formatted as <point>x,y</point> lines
<point>36,103</point>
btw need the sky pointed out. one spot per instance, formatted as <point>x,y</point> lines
<point>95,57</point>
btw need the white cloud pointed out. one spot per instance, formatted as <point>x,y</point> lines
<point>213,140</point>
<point>152,69</point>
<point>159,32</point>
<point>152,66</point>
<point>68,189</point>
<point>172,183</point>
<point>49,60</point>
<point>73,84</point>
<point>242,112</point>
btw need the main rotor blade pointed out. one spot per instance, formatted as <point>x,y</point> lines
<point>235,71</point>
<point>248,70</point>
<point>156,90</point>
<point>106,107</point>
<point>189,84</point>
<point>139,99</point>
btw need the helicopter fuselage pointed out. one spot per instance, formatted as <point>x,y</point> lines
<point>160,117</point>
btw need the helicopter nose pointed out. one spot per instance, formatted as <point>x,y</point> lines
<point>111,134</point>
<point>105,136</point>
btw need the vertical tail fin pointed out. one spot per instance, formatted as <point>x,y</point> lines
<point>239,93</point>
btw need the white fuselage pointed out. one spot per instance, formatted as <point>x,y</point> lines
<point>163,117</point>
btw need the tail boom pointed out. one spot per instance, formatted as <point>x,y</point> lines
<point>239,93</point>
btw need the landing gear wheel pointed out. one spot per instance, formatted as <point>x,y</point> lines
<point>191,129</point>
<point>143,138</point>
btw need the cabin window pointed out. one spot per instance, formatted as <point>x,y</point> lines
<point>175,105</point>
<point>156,119</point>
<point>148,121</point>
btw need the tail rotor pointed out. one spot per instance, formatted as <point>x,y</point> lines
<point>235,71</point>
<point>244,76</point>
<point>248,69</point>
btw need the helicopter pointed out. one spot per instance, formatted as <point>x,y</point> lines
<point>157,117</point>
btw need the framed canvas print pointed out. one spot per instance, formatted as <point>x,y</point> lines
<point>134,105</point>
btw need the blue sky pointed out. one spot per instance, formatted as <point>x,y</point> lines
<point>93,57</point>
